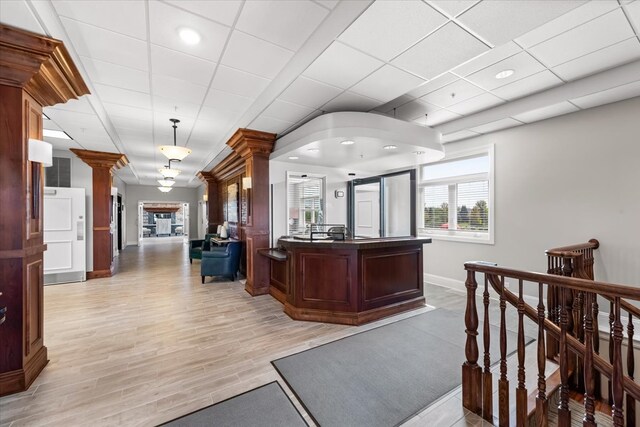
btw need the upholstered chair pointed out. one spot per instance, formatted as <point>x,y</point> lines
<point>223,261</point>
<point>197,246</point>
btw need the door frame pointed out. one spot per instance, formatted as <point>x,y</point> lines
<point>186,218</point>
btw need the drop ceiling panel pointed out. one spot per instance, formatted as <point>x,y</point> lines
<point>108,46</point>
<point>226,100</point>
<point>127,111</point>
<point>270,124</point>
<point>437,117</point>
<point>108,14</point>
<point>178,108</point>
<point>413,110</point>
<point>488,58</point>
<point>527,86</point>
<point>546,112</point>
<point>386,83</point>
<point>387,28</point>
<point>452,93</point>
<point>395,103</point>
<point>116,75</point>
<point>127,123</point>
<point>342,66</point>
<point>80,105</point>
<point>17,13</point>
<point>522,64</point>
<point>475,104</point>
<point>447,47</point>
<point>254,55</point>
<point>496,125</point>
<point>597,34</point>
<point>501,21</point>
<point>287,111</point>
<point>432,85</point>
<point>349,101</point>
<point>178,89</point>
<point>235,81</point>
<point>172,63</point>
<point>116,95</point>
<point>452,7</point>
<point>600,60</point>
<point>166,20</point>
<point>310,93</point>
<point>633,11</point>
<point>458,136</point>
<point>285,23</point>
<point>220,11</point>
<point>619,93</point>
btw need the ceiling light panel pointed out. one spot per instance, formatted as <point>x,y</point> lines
<point>166,20</point>
<point>285,23</point>
<point>527,86</point>
<point>447,47</point>
<point>387,83</point>
<point>501,21</point>
<point>254,55</point>
<point>310,93</point>
<point>175,64</point>
<point>107,14</point>
<point>223,12</point>
<point>452,93</point>
<point>239,82</point>
<point>342,66</point>
<point>387,28</point>
<point>522,64</point>
<point>597,34</point>
<point>50,133</point>
<point>116,75</point>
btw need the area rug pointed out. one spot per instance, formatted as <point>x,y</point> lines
<point>386,375</point>
<point>266,406</point>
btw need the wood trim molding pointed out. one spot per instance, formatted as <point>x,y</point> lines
<point>249,142</point>
<point>40,65</point>
<point>206,177</point>
<point>101,159</point>
<point>230,166</point>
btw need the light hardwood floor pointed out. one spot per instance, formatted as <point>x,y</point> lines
<point>152,343</point>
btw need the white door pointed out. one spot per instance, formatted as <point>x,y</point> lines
<point>202,219</point>
<point>185,212</point>
<point>114,224</point>
<point>140,222</point>
<point>367,210</point>
<point>64,235</point>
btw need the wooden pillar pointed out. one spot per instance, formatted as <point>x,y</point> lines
<point>102,165</point>
<point>254,148</point>
<point>213,198</point>
<point>35,71</point>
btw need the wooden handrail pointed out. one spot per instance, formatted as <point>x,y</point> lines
<point>565,251</point>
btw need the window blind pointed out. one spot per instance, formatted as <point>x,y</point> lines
<point>472,201</point>
<point>305,201</point>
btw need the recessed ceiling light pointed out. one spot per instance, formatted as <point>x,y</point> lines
<point>419,152</point>
<point>348,142</point>
<point>390,147</point>
<point>504,74</point>
<point>189,36</point>
<point>55,134</point>
<point>293,157</point>
<point>313,150</point>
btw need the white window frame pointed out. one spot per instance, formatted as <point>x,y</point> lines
<point>323,192</point>
<point>453,234</point>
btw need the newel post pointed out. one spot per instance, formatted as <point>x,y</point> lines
<point>471,371</point>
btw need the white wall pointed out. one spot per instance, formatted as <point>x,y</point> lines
<point>557,182</point>
<point>122,190</point>
<point>146,193</point>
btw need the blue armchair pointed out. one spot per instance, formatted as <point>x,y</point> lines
<point>197,246</point>
<point>221,261</point>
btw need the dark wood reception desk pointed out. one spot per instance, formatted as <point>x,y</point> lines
<point>349,282</point>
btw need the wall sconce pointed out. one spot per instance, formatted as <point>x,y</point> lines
<point>246,184</point>
<point>205,198</point>
<point>40,152</point>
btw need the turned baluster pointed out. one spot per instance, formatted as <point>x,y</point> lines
<point>503,383</point>
<point>471,388</point>
<point>631,402</point>
<point>617,390</point>
<point>552,301</point>
<point>521,390</point>
<point>589,380</point>
<point>576,362</point>
<point>487,383</point>
<point>542,405</point>
<point>611,321</point>
<point>564,414</point>
<point>596,343</point>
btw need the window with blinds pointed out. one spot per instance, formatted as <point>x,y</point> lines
<point>305,202</point>
<point>457,198</point>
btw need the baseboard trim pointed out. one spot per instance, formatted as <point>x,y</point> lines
<point>458,285</point>
<point>21,379</point>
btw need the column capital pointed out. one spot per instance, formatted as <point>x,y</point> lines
<point>206,177</point>
<point>249,142</point>
<point>101,159</point>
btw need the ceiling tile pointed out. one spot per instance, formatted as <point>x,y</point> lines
<point>475,104</point>
<point>488,58</point>
<point>597,34</point>
<point>238,82</point>
<point>166,20</point>
<point>254,55</point>
<point>633,11</point>
<point>310,93</point>
<point>127,111</point>
<point>442,50</point>
<point>129,124</point>
<point>270,124</point>
<point>285,23</point>
<point>527,86</point>
<point>172,63</point>
<point>394,103</point>
<point>438,117</point>
<point>80,105</point>
<point>116,75</point>
<point>287,111</point>
<point>501,21</point>
<point>495,126</point>
<point>432,85</point>
<point>18,14</point>
<point>226,100</point>
<point>349,101</point>
<point>600,60</point>
<point>611,95</point>
<point>107,14</point>
<point>107,46</point>
<point>221,11</point>
<point>178,89</point>
<point>330,4</point>
<point>452,7</point>
<point>179,108</point>
<point>572,19</point>
<point>413,110</point>
<point>522,64</point>
<point>342,66</point>
<point>546,112</point>
<point>387,28</point>
<point>458,136</point>
<point>386,83</point>
<point>452,93</point>
<point>116,95</point>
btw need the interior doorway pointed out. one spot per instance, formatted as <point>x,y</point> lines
<point>162,222</point>
<point>119,221</point>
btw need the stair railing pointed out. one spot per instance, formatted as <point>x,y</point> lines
<point>477,393</point>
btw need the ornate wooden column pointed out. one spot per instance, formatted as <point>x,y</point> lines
<point>254,148</point>
<point>35,71</point>
<point>213,200</point>
<point>102,165</point>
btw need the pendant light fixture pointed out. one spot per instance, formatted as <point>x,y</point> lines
<point>167,172</point>
<point>173,152</point>
<point>167,182</point>
<point>165,189</point>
